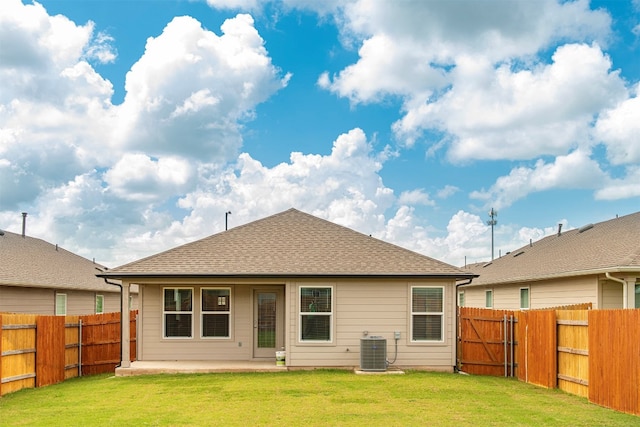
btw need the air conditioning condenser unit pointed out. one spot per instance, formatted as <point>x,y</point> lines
<point>373,354</point>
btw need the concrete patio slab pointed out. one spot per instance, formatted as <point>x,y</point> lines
<point>197,366</point>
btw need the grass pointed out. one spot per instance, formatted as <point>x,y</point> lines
<point>309,398</point>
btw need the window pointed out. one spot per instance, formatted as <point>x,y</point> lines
<point>61,304</point>
<point>316,314</point>
<point>637,305</point>
<point>216,312</point>
<point>178,312</point>
<point>524,298</point>
<point>427,314</point>
<point>461,299</point>
<point>488,298</point>
<point>99,304</point>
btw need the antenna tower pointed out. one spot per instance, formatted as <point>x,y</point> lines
<point>492,221</point>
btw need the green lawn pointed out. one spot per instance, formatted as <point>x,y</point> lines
<point>302,398</point>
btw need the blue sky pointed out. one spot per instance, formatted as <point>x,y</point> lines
<point>129,127</point>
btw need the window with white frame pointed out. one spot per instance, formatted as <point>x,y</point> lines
<point>488,298</point>
<point>461,299</point>
<point>216,312</point>
<point>61,304</point>
<point>316,313</point>
<point>178,312</point>
<point>99,304</point>
<point>524,298</point>
<point>637,293</point>
<point>427,313</point>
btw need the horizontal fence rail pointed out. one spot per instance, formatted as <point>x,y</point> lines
<point>590,353</point>
<point>37,350</point>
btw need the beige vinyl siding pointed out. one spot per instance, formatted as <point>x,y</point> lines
<point>239,346</point>
<point>112,302</point>
<point>555,293</point>
<point>378,308</point>
<point>505,297</point>
<point>15,299</point>
<point>543,294</point>
<point>474,296</point>
<point>611,294</point>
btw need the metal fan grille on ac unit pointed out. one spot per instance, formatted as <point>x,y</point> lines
<point>373,354</point>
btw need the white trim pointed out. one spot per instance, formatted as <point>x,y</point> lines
<point>164,313</point>
<point>528,298</point>
<point>487,293</point>
<point>442,315</point>
<point>101,298</point>
<point>202,312</point>
<point>64,300</point>
<point>331,314</point>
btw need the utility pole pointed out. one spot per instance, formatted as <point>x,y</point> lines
<point>226,220</point>
<point>492,221</point>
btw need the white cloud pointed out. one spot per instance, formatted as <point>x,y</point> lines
<point>101,49</point>
<point>137,177</point>
<point>447,191</point>
<point>344,186</point>
<point>42,58</point>
<point>192,82</point>
<point>424,39</point>
<point>235,4</point>
<point>504,114</point>
<point>415,197</point>
<point>619,129</point>
<point>622,188</point>
<point>573,171</point>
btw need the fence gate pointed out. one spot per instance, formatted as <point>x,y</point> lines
<point>486,341</point>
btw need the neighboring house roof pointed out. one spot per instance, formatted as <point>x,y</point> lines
<point>609,246</point>
<point>290,243</point>
<point>30,262</point>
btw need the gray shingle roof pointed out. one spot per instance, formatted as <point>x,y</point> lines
<point>612,245</point>
<point>290,243</point>
<point>30,262</point>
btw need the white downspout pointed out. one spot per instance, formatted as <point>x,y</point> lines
<point>625,289</point>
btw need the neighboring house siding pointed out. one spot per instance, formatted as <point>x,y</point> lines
<point>84,302</point>
<point>542,294</point>
<point>561,292</point>
<point>611,295</point>
<point>15,299</point>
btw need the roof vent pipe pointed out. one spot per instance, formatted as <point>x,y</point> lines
<point>559,229</point>
<point>24,223</point>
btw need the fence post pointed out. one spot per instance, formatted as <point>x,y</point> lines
<point>79,346</point>
<point>512,343</point>
<point>506,339</point>
<point>1,355</point>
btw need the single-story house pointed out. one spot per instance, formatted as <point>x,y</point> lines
<point>597,264</point>
<point>37,277</point>
<point>296,283</point>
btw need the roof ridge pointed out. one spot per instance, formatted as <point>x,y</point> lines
<point>288,243</point>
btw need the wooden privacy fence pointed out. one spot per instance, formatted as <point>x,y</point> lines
<point>591,353</point>
<point>40,350</point>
